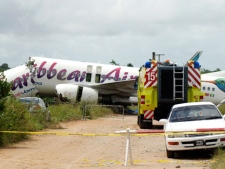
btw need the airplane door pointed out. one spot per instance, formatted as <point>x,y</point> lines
<point>89,73</point>
<point>98,74</point>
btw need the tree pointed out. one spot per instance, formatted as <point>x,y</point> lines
<point>4,67</point>
<point>114,63</point>
<point>5,88</point>
<point>130,65</point>
<point>203,71</point>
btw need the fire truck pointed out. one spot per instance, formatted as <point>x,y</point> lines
<point>160,85</point>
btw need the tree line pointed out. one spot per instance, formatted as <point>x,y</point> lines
<point>5,66</point>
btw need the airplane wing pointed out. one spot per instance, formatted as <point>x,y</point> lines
<point>215,74</point>
<point>120,88</point>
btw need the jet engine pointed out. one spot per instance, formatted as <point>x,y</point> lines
<point>76,93</point>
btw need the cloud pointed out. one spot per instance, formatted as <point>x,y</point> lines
<point>127,31</point>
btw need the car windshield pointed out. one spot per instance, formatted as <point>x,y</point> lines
<point>193,113</point>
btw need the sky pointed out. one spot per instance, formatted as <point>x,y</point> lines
<point>126,31</point>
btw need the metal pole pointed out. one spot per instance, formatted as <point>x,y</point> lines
<point>128,149</point>
<point>153,55</point>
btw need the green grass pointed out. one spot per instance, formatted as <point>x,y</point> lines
<point>222,108</point>
<point>76,111</point>
<point>218,159</point>
<point>16,117</point>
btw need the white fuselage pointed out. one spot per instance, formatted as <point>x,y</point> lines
<point>51,72</point>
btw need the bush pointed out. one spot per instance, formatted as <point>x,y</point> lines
<point>14,117</point>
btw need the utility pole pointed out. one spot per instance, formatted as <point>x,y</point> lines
<point>159,56</point>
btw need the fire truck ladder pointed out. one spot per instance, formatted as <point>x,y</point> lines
<point>178,81</point>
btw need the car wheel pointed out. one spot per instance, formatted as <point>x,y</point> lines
<point>170,154</point>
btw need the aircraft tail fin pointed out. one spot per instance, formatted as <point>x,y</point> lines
<point>196,56</point>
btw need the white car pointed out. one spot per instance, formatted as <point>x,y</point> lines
<point>191,126</point>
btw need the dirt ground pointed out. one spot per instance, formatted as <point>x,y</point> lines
<point>96,147</point>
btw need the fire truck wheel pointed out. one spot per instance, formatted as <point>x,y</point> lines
<point>142,124</point>
<point>145,125</point>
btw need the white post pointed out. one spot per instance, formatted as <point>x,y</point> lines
<point>128,149</point>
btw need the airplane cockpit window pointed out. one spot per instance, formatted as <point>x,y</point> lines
<point>88,77</point>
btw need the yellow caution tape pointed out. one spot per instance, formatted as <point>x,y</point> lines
<point>106,134</point>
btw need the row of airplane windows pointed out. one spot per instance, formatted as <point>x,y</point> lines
<point>208,88</point>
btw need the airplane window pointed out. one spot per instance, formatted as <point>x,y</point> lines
<point>213,89</point>
<point>108,78</point>
<point>208,88</point>
<point>115,78</point>
<point>203,88</point>
<point>119,79</point>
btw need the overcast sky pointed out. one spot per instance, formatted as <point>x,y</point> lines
<point>126,31</point>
